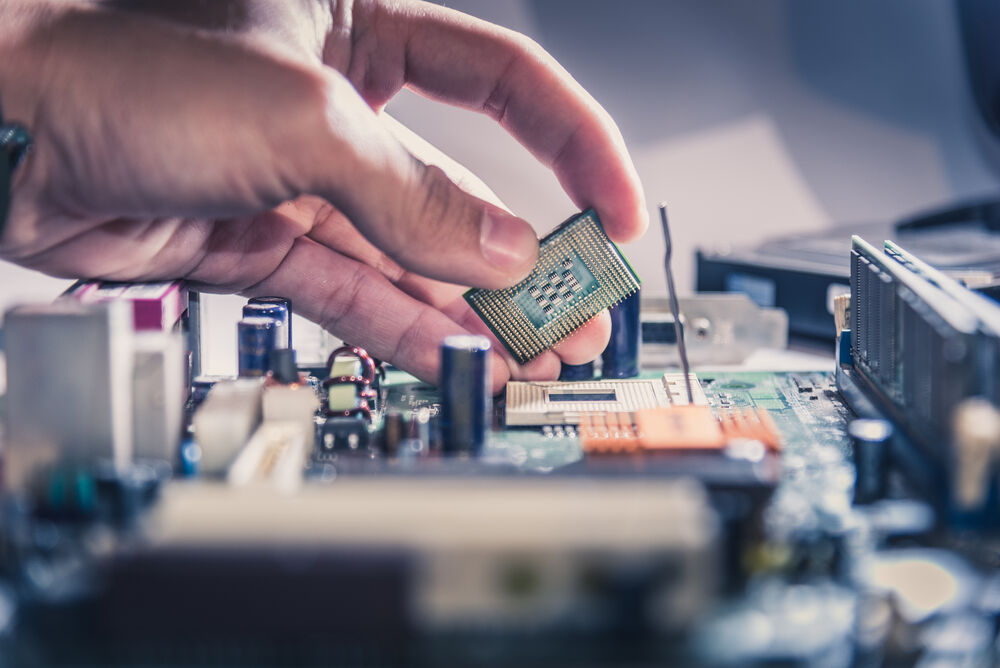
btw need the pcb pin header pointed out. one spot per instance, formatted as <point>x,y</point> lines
<point>580,272</point>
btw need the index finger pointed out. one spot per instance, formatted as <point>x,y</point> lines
<point>456,58</point>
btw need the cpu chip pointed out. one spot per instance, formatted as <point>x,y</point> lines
<point>579,273</point>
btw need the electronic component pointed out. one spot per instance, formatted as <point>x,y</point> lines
<point>802,273</point>
<point>466,393</point>
<point>343,434</point>
<point>350,388</point>
<point>579,273</point>
<point>677,428</point>
<point>155,306</point>
<point>536,403</point>
<point>393,432</point>
<point>976,441</point>
<point>920,345</point>
<point>275,311</point>
<point>225,421</point>
<point>282,367</point>
<point>620,358</point>
<point>158,394</point>
<point>294,403</point>
<point>275,455</point>
<point>870,450</point>
<point>69,385</point>
<point>256,338</point>
<point>516,555</point>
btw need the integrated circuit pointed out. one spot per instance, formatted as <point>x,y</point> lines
<point>580,272</point>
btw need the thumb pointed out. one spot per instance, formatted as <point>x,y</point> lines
<point>412,211</point>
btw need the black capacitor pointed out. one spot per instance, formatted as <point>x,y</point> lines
<point>393,432</point>
<point>621,358</point>
<point>281,364</point>
<point>281,309</point>
<point>466,397</point>
<point>870,446</point>
<point>571,372</point>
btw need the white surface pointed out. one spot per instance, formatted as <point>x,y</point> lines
<point>750,119</point>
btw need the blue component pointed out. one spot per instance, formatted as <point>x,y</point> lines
<point>190,459</point>
<point>570,372</point>
<point>277,308</point>
<point>466,393</point>
<point>844,354</point>
<point>256,338</point>
<point>621,358</point>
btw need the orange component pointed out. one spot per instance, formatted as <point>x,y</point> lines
<point>607,433</point>
<point>679,428</point>
<point>749,423</point>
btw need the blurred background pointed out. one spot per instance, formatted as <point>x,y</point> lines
<point>751,119</point>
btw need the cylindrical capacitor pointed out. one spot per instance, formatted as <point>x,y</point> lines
<point>282,366</point>
<point>255,341</point>
<point>393,432</point>
<point>276,311</point>
<point>870,445</point>
<point>571,372</point>
<point>466,397</point>
<point>621,358</point>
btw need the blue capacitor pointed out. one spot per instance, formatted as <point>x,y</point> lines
<point>466,393</point>
<point>255,340</point>
<point>621,358</point>
<point>276,310</point>
<point>571,372</point>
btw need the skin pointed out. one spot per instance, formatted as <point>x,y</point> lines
<point>241,144</point>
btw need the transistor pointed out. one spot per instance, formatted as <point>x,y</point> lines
<point>579,273</point>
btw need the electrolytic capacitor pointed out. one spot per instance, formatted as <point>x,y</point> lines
<point>571,372</point>
<point>870,445</point>
<point>393,432</point>
<point>255,341</point>
<point>282,366</point>
<point>621,358</point>
<point>466,398</point>
<point>279,313</point>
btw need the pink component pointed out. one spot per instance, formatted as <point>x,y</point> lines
<point>155,306</point>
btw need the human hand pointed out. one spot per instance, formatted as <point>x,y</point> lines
<point>245,151</point>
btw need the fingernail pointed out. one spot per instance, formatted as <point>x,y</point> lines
<point>507,242</point>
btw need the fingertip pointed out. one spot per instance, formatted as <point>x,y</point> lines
<point>544,367</point>
<point>508,244</point>
<point>500,373</point>
<point>587,342</point>
<point>627,221</point>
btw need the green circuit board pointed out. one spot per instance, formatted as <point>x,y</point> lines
<point>805,407</point>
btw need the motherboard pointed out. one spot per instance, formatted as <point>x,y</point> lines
<point>348,513</point>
